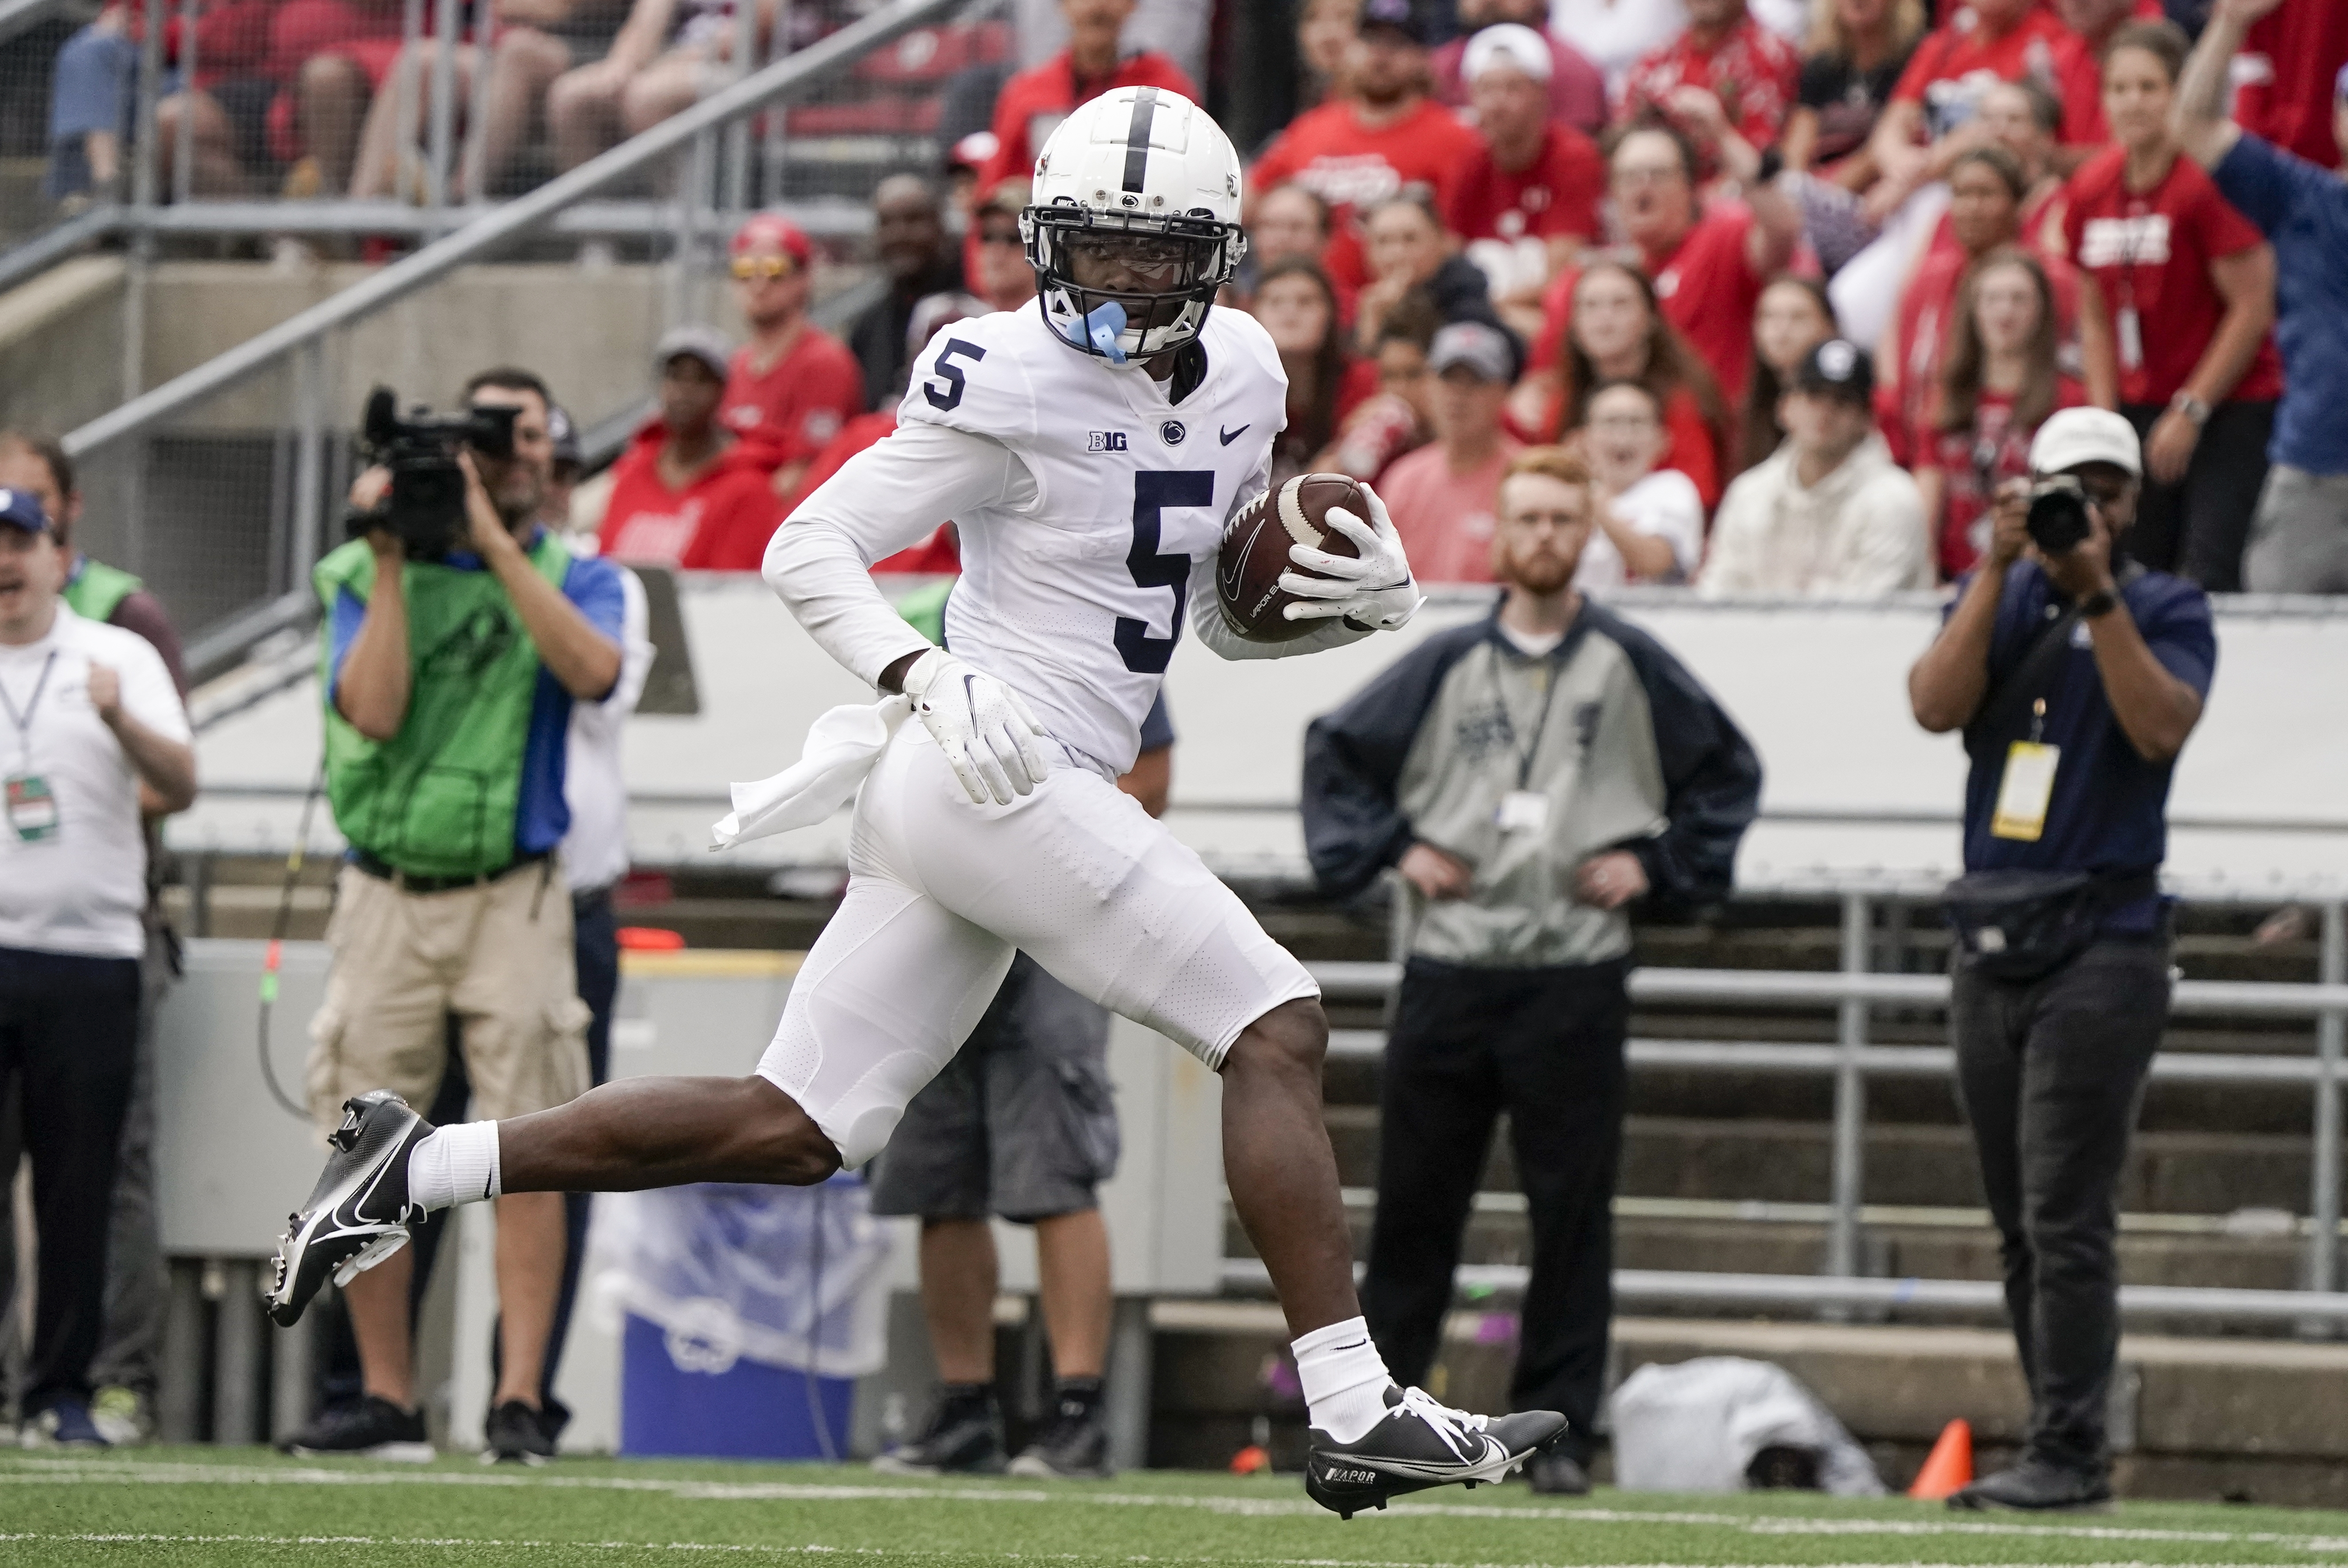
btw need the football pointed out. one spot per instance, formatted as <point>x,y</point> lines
<point>1255,552</point>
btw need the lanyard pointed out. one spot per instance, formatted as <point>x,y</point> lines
<point>23,718</point>
<point>1548,671</point>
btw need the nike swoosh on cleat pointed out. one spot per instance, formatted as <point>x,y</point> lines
<point>1230,436</point>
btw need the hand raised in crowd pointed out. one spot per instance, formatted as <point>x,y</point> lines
<point>1435,874</point>
<point>1610,881</point>
<point>106,693</point>
<point>1698,111</point>
<point>2169,450</point>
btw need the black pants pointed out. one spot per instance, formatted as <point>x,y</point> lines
<point>68,1046</point>
<point>1545,1046</point>
<point>2049,1074</point>
<point>595,950</point>
<point>2197,527</point>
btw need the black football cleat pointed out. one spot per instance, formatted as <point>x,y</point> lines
<point>1420,1444</point>
<point>357,1214</point>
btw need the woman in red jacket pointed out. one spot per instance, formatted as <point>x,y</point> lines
<point>2176,301</point>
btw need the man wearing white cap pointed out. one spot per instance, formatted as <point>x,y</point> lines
<point>1527,202</point>
<point>1577,88</point>
<point>2076,687</point>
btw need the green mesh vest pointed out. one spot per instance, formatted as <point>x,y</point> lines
<point>96,590</point>
<point>439,798</point>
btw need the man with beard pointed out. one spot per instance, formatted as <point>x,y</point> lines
<point>1537,778</point>
<point>1370,146</point>
<point>909,240</point>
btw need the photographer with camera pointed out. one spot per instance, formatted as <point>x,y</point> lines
<point>2075,687</point>
<point>459,634</point>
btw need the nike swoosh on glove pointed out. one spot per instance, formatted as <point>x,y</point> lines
<point>1371,590</point>
<point>990,740</point>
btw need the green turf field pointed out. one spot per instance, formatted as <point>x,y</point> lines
<point>202,1506</point>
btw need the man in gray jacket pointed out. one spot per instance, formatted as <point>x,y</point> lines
<point>1535,777</point>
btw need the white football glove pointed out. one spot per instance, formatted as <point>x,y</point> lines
<point>990,740</point>
<point>1371,590</point>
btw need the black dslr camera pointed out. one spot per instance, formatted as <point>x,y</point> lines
<point>425,504</point>
<point>2058,519</point>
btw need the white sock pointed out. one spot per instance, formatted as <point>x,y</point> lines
<point>455,1165</point>
<point>1346,1379</point>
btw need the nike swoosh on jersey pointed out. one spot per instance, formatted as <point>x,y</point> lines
<point>1230,436</point>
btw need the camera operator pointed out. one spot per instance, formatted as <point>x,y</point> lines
<point>459,635</point>
<point>2075,687</point>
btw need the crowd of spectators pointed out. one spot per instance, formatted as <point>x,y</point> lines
<point>1684,261</point>
<point>1990,201</point>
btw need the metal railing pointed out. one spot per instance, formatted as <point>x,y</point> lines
<point>219,484</point>
<point>1851,1060</point>
<point>439,179</point>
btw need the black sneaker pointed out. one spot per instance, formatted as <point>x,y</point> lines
<point>965,1438</point>
<point>373,1428</point>
<point>517,1435</point>
<point>357,1214</point>
<point>2035,1486</point>
<point>1075,1447</point>
<point>1555,1474</point>
<point>1420,1444</point>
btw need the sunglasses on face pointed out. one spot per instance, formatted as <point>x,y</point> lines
<point>747,267</point>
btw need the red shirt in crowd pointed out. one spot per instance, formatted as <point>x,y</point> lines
<point>1974,462</point>
<point>1557,194</point>
<point>719,521</point>
<point>1953,68</point>
<point>2288,63</point>
<point>1447,520</point>
<point>791,411</point>
<point>2150,255</point>
<point>1707,289</point>
<point>937,553</point>
<point>1926,311</point>
<point>1754,73</point>
<point>1032,104</point>
<point>1576,89</point>
<point>1351,166</point>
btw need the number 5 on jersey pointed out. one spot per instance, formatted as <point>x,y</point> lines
<point>1155,489</point>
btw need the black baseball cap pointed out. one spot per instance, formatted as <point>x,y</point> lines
<point>1396,16</point>
<point>1837,369</point>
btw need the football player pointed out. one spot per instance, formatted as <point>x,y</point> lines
<point>1090,445</point>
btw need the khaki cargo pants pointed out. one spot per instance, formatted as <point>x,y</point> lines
<point>497,954</point>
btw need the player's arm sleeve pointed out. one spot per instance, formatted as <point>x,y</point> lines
<point>1353,824</point>
<point>890,495</point>
<point>1712,782</point>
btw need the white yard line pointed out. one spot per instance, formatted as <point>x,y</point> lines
<point>132,1537</point>
<point>32,1471</point>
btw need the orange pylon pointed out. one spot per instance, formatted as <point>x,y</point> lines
<point>1949,1466</point>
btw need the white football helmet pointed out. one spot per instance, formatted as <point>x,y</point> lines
<point>1143,188</point>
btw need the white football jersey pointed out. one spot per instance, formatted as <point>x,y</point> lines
<point>1073,592</point>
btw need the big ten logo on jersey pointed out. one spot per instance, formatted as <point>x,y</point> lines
<point>1104,441</point>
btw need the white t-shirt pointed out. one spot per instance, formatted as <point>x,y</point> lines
<point>1664,504</point>
<point>596,850</point>
<point>78,888</point>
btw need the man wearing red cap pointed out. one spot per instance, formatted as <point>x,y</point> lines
<point>1033,102</point>
<point>794,385</point>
